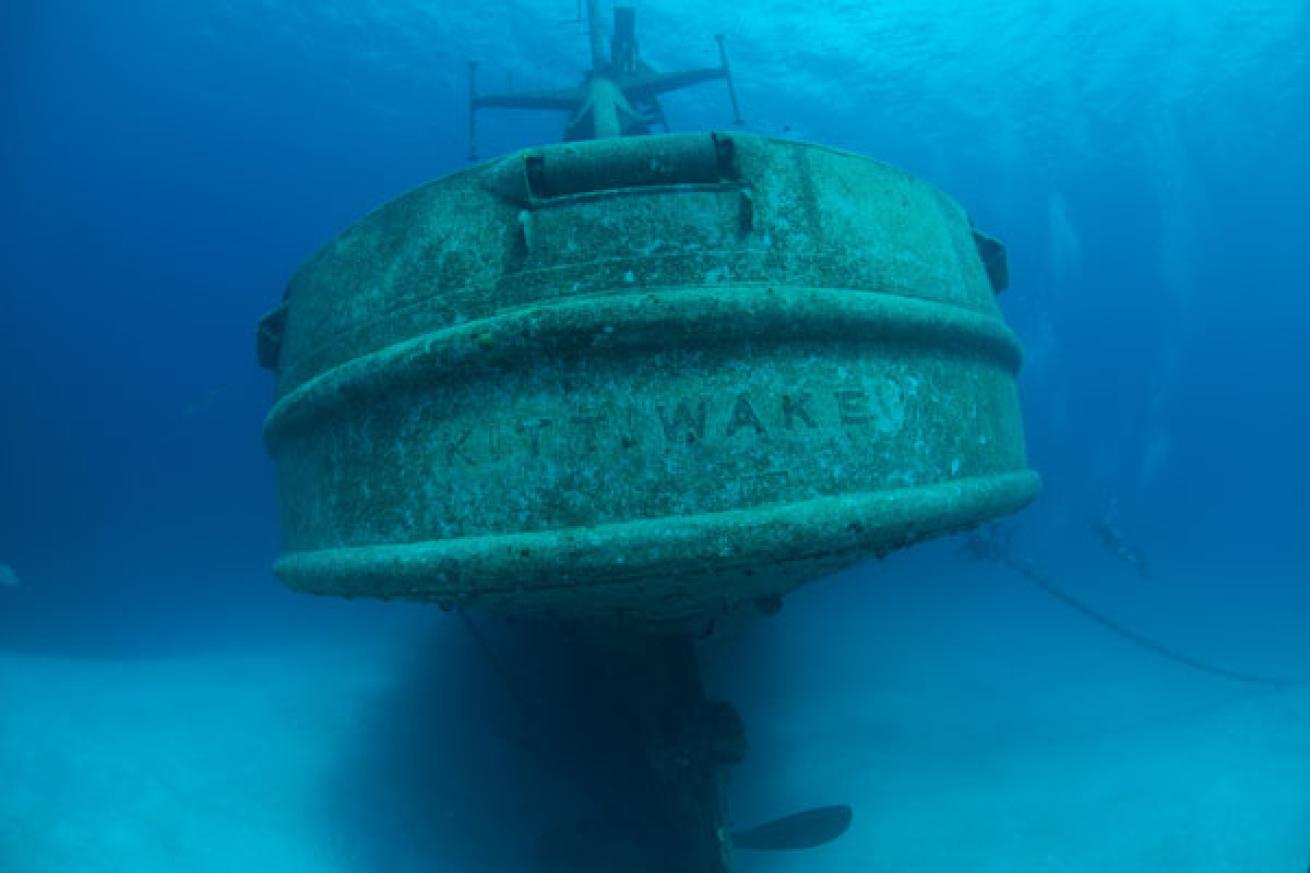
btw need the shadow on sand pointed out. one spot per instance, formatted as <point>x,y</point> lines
<point>493,736</point>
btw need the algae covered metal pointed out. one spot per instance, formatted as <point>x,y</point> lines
<point>640,381</point>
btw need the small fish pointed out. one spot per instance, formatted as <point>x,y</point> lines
<point>990,543</point>
<point>8,578</point>
<point>1114,541</point>
<point>204,404</point>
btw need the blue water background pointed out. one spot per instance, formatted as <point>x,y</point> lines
<point>165,167</point>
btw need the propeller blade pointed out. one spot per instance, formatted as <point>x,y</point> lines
<point>801,830</point>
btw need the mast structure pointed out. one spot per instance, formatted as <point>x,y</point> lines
<point>619,96</point>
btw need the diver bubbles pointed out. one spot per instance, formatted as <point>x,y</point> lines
<point>1181,204</point>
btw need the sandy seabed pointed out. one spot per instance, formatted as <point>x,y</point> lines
<point>978,729</point>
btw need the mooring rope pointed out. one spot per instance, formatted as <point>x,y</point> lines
<point>1043,581</point>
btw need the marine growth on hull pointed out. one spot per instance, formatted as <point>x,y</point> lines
<point>632,382</point>
<point>640,381</point>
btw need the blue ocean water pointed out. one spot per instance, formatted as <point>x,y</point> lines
<point>165,705</point>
